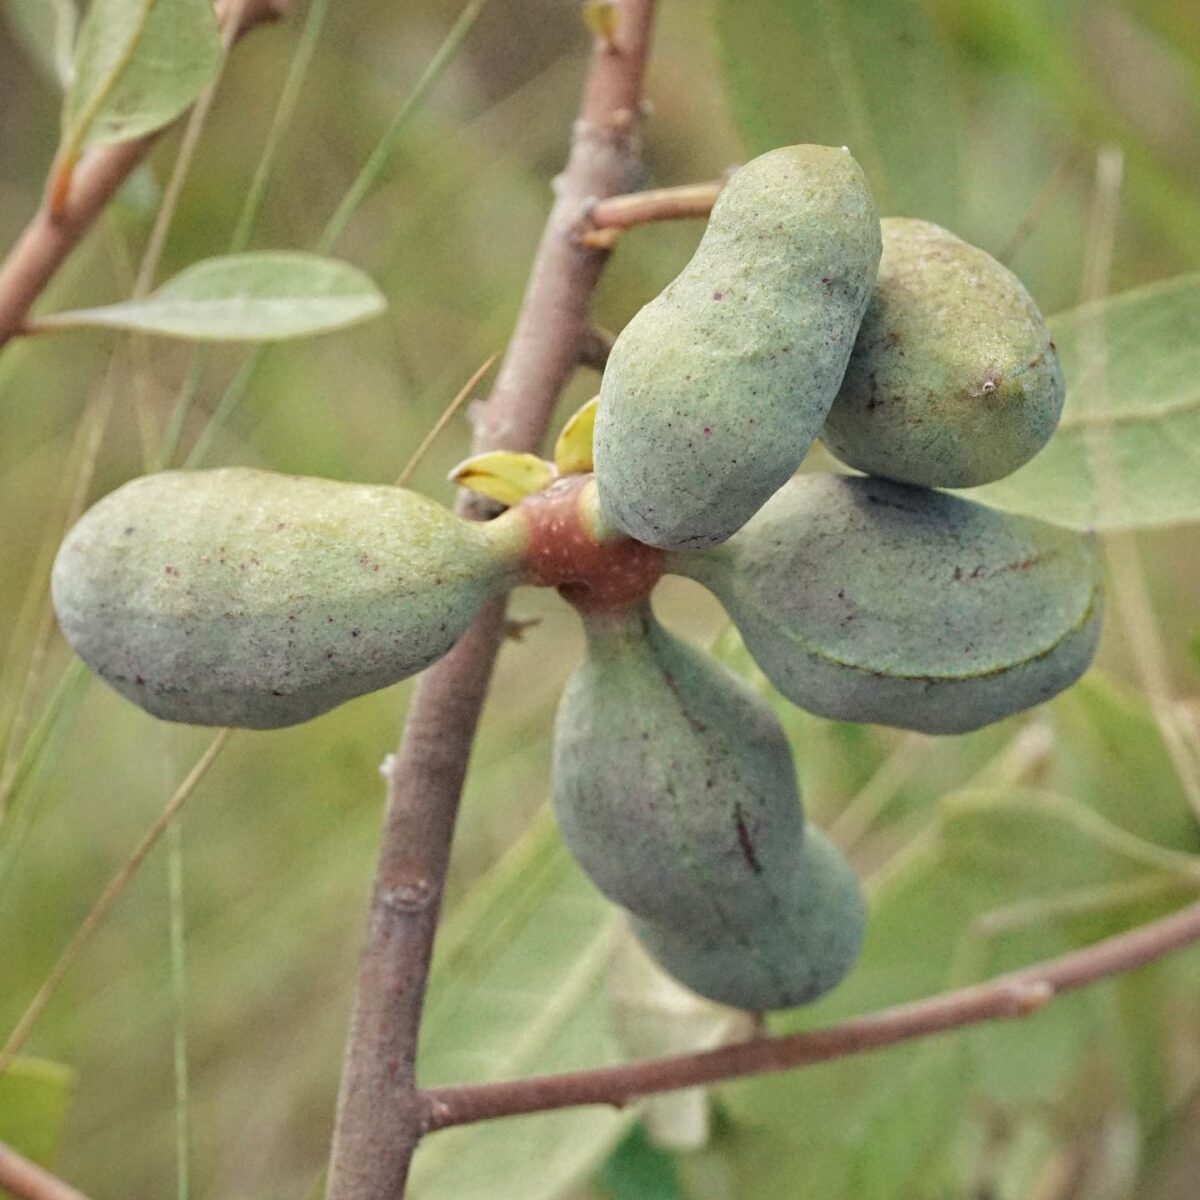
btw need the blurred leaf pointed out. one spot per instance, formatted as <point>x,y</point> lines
<point>46,28</point>
<point>653,1016</point>
<point>639,1170</point>
<point>257,297</point>
<point>1109,749</point>
<point>849,72</point>
<point>1148,413</point>
<point>140,194</point>
<point>1047,843</point>
<point>34,1095</point>
<point>138,65</point>
<point>903,1136</point>
<point>518,988</point>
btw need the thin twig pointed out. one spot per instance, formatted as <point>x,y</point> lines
<point>380,1112</point>
<point>48,239</point>
<point>112,892</point>
<point>661,204</point>
<point>27,1181</point>
<point>595,348</point>
<point>1014,995</point>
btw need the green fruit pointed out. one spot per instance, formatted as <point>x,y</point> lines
<point>675,790</point>
<point>787,962</point>
<point>244,598</point>
<point>715,390</point>
<point>954,380</point>
<point>865,600</point>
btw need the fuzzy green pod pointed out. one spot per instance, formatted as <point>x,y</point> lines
<point>954,380</point>
<point>675,790</point>
<point>787,962</point>
<point>715,390</point>
<point>245,598</point>
<point>865,600</point>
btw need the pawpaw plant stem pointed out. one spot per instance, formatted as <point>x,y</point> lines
<point>56,229</point>
<point>381,1114</point>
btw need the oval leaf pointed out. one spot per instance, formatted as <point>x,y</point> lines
<point>1126,454</point>
<point>138,65</point>
<point>260,297</point>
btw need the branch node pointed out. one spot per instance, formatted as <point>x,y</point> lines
<point>1031,996</point>
<point>598,239</point>
<point>409,898</point>
<point>595,347</point>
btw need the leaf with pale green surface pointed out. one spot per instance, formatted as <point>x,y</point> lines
<point>138,65</point>
<point>34,1094</point>
<point>256,297</point>
<point>849,72</point>
<point>1126,454</point>
<point>519,988</point>
<point>1110,750</point>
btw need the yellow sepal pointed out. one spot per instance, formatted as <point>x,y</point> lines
<point>573,450</point>
<point>503,475</point>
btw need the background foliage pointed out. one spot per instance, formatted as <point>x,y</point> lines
<point>980,852</point>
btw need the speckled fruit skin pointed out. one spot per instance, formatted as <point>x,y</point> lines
<point>245,598</point>
<point>954,380</point>
<point>865,600</point>
<point>675,790</point>
<point>715,390</point>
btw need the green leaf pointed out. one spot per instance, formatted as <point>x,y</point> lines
<point>518,988</point>
<point>138,65</point>
<point>639,1170</point>
<point>46,28</point>
<point>259,297</point>
<point>34,1095</point>
<point>1127,452</point>
<point>1110,750</point>
<point>857,73</point>
<point>1046,844</point>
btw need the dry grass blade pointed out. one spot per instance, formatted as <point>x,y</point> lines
<point>442,421</point>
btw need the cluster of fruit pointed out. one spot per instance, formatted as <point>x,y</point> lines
<point>239,597</point>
